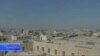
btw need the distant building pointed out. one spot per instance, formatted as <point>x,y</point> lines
<point>11,37</point>
<point>1,34</point>
<point>26,32</point>
<point>43,38</point>
<point>27,45</point>
<point>3,39</point>
<point>78,46</point>
<point>8,38</point>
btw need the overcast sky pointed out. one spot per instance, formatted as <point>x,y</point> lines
<point>50,13</point>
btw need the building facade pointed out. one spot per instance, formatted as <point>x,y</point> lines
<point>53,49</point>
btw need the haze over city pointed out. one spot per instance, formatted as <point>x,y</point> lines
<point>49,27</point>
<point>50,13</point>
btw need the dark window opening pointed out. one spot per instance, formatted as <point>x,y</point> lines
<point>6,52</point>
<point>43,49</point>
<point>48,50</point>
<point>55,52</point>
<point>73,54</point>
<point>83,55</point>
<point>37,48</point>
<point>0,39</point>
<point>4,39</point>
<point>90,43</point>
<point>63,53</point>
<point>23,48</point>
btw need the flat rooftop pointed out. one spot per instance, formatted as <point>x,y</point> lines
<point>81,41</point>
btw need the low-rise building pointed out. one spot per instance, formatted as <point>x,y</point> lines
<point>77,46</point>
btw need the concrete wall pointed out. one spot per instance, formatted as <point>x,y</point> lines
<point>60,48</point>
<point>2,53</point>
<point>27,46</point>
<point>69,50</point>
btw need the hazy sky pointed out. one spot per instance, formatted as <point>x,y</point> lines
<point>50,13</point>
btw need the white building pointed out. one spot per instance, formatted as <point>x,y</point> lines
<point>43,37</point>
<point>1,34</point>
<point>11,37</point>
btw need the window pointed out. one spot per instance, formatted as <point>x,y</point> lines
<point>43,49</point>
<point>73,54</point>
<point>55,52</point>
<point>90,43</point>
<point>4,39</point>
<point>37,48</point>
<point>0,39</point>
<point>63,53</point>
<point>6,52</point>
<point>23,48</point>
<point>48,50</point>
<point>83,55</point>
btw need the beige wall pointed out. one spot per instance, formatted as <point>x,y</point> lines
<point>2,53</point>
<point>27,46</point>
<point>68,49</point>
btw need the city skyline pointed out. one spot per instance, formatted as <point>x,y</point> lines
<point>50,13</point>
